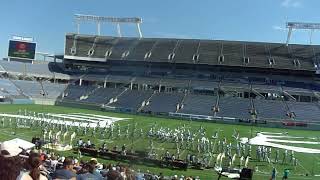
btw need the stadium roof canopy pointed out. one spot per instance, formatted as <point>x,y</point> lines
<point>192,51</point>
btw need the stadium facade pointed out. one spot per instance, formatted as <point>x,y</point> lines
<point>270,84</point>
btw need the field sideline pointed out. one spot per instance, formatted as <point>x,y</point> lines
<point>308,163</point>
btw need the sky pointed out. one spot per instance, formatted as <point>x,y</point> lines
<point>47,21</point>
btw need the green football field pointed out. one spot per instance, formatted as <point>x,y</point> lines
<point>307,164</point>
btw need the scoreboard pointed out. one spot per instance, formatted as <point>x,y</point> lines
<point>22,49</point>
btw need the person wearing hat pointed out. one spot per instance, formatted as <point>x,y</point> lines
<point>67,172</point>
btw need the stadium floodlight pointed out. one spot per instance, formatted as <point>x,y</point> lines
<point>301,25</point>
<point>101,19</point>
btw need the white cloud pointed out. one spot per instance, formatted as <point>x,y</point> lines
<point>291,3</point>
<point>278,28</point>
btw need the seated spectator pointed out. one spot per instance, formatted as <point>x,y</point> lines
<point>9,166</point>
<point>10,163</point>
<point>114,175</point>
<point>67,172</point>
<point>32,169</point>
<point>53,163</point>
<point>139,175</point>
<point>92,173</point>
<point>105,169</point>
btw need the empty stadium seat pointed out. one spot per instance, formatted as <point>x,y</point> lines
<point>164,102</point>
<point>131,99</point>
<point>234,107</point>
<point>101,95</point>
<point>198,104</point>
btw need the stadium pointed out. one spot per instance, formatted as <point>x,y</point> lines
<point>180,107</point>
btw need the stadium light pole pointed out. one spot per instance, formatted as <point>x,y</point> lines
<point>101,19</point>
<point>301,25</point>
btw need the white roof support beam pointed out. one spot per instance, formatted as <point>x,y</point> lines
<point>99,20</point>
<point>301,25</point>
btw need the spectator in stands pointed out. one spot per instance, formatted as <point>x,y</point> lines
<point>53,162</point>
<point>113,175</point>
<point>10,163</point>
<point>91,173</point>
<point>130,174</point>
<point>175,177</point>
<point>67,172</point>
<point>106,168</point>
<point>123,172</point>
<point>161,177</point>
<point>33,169</point>
<point>9,166</point>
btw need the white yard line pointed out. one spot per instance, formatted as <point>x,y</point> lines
<point>263,140</point>
<point>100,116</point>
<point>81,118</point>
<point>88,121</point>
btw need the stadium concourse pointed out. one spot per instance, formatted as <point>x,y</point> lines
<point>248,83</point>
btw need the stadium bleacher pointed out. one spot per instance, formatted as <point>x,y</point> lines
<point>15,68</point>
<point>53,90</point>
<point>131,99</point>
<point>34,89</point>
<point>234,108</point>
<point>160,52</point>
<point>269,109</point>
<point>30,88</point>
<point>8,88</point>
<point>163,102</point>
<point>27,69</point>
<point>101,95</point>
<point>141,49</point>
<point>209,52</point>
<point>185,51</point>
<point>73,92</point>
<point>198,104</point>
<point>305,111</point>
<point>163,75</point>
<point>190,51</point>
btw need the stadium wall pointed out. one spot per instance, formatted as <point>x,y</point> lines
<point>78,105</point>
<point>22,101</point>
<point>43,101</point>
<point>199,118</point>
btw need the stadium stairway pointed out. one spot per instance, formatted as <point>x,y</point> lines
<point>102,95</point>
<point>182,102</point>
<point>115,98</point>
<point>163,102</point>
<point>131,100</point>
<point>146,102</point>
